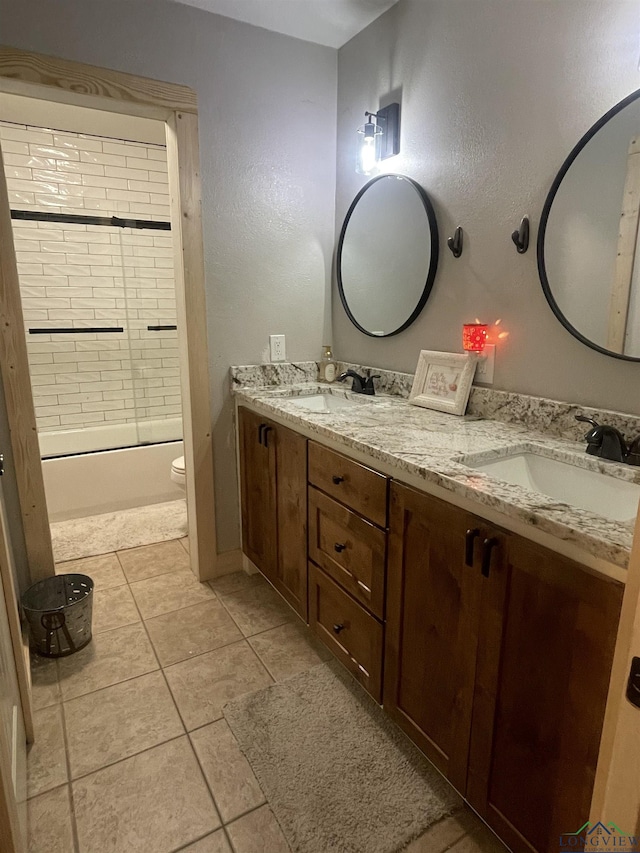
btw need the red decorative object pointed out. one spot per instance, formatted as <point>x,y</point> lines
<point>474,336</point>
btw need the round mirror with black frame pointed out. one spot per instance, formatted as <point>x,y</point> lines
<point>589,236</point>
<point>387,255</point>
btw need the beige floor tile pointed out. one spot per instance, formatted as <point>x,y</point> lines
<point>155,801</point>
<point>184,633</point>
<point>104,571</point>
<point>258,832</point>
<point>44,682</point>
<point>257,608</point>
<point>119,721</point>
<point>49,821</point>
<point>152,560</point>
<point>108,659</point>
<point>236,582</point>
<point>288,649</point>
<point>440,836</point>
<point>479,840</point>
<point>215,843</point>
<point>203,685</point>
<point>185,543</point>
<point>169,592</point>
<point>230,777</point>
<point>113,608</point>
<point>46,761</point>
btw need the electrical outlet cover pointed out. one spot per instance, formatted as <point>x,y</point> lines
<point>486,364</point>
<point>277,346</point>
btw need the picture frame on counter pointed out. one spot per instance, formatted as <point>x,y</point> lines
<point>443,381</point>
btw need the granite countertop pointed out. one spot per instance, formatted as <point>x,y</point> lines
<point>433,447</point>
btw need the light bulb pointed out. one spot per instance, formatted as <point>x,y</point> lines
<point>367,155</point>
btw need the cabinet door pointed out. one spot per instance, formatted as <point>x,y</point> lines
<point>432,626</point>
<point>290,577</point>
<point>544,661</point>
<point>258,491</point>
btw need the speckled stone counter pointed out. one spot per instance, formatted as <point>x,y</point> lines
<point>420,445</point>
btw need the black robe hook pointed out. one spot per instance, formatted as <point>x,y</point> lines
<point>521,236</point>
<point>455,243</point>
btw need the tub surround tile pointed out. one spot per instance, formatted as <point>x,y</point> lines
<point>117,531</point>
<point>150,560</point>
<point>431,447</point>
<point>109,658</point>
<point>203,685</point>
<point>105,571</point>
<point>184,633</point>
<point>49,822</point>
<point>113,608</point>
<point>173,591</point>
<point>230,777</point>
<point>156,800</point>
<point>46,761</point>
<point>119,721</point>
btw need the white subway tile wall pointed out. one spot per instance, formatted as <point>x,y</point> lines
<point>81,276</point>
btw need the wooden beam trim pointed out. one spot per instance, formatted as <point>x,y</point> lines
<point>91,81</point>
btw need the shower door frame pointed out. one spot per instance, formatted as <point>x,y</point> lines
<point>64,81</point>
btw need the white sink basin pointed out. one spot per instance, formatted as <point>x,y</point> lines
<point>324,403</point>
<point>599,493</point>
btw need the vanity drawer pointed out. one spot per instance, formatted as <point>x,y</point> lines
<point>355,485</point>
<point>349,549</point>
<point>351,634</point>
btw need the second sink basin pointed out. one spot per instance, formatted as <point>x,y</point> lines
<point>325,403</point>
<point>599,493</point>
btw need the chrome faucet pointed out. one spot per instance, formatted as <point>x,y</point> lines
<point>361,384</point>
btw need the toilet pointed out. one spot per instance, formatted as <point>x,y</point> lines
<point>177,472</point>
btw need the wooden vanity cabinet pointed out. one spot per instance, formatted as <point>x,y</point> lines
<point>497,662</point>
<point>433,610</point>
<point>273,485</point>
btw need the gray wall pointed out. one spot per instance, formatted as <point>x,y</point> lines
<point>267,106</point>
<point>494,95</point>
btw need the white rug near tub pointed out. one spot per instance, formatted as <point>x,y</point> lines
<point>114,531</point>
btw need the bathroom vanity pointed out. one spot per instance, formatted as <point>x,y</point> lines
<point>485,624</point>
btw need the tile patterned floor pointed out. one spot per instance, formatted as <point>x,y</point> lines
<point>133,753</point>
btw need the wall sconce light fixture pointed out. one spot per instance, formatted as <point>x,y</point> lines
<point>379,138</point>
<point>474,337</point>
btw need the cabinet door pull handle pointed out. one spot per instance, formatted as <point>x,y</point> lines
<point>469,542</point>
<point>338,628</point>
<point>267,430</point>
<point>487,547</point>
<point>260,431</point>
<point>337,480</point>
<point>339,547</point>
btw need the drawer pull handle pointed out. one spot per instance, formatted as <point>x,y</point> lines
<point>267,430</point>
<point>338,628</point>
<point>469,540</point>
<point>339,547</point>
<point>261,428</point>
<point>337,480</point>
<point>487,547</point>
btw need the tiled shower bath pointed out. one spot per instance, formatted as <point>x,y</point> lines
<point>99,306</point>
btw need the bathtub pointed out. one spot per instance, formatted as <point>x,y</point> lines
<point>81,479</point>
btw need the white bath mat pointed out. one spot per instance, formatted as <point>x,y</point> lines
<point>114,531</point>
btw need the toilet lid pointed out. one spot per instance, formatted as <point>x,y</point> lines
<point>178,465</point>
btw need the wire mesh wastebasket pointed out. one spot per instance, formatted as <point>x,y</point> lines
<point>58,611</point>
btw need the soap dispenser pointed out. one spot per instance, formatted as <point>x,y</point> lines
<point>326,366</point>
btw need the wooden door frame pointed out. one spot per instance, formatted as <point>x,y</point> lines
<point>62,81</point>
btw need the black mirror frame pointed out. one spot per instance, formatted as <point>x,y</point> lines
<point>433,264</point>
<point>544,220</point>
